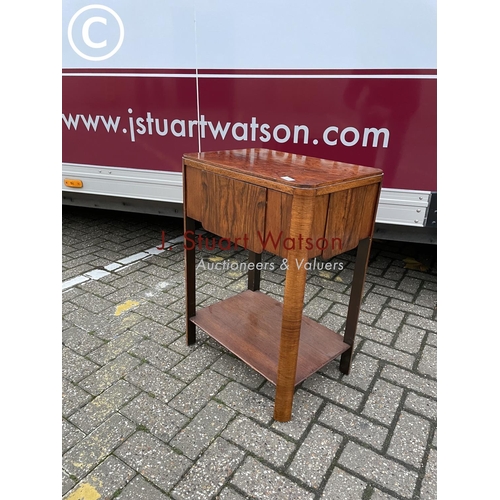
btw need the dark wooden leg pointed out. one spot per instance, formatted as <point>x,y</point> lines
<point>254,274</point>
<point>190,274</point>
<point>362,256</point>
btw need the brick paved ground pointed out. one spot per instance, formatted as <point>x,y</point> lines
<point>147,418</point>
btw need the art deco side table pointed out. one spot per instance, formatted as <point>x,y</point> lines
<point>296,207</point>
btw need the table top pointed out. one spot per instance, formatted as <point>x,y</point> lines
<point>287,169</point>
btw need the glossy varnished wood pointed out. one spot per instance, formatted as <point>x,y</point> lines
<point>249,325</point>
<point>295,283</point>
<point>350,217</point>
<point>286,199</point>
<point>222,206</point>
<point>268,168</point>
<point>278,223</point>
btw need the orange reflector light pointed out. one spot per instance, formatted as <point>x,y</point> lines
<point>73,183</point>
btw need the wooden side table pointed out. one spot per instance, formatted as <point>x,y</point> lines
<point>298,208</point>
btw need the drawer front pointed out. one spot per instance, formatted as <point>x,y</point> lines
<point>226,207</point>
<point>351,214</point>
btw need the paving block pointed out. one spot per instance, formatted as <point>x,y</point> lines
<point>196,394</point>
<point>89,321</point>
<point>158,356</point>
<point>410,285</point>
<point>109,374</point>
<point>259,481</point>
<point>428,490</point>
<point>140,489</point>
<point>343,486</point>
<point>363,370</point>
<point>425,312</point>
<point>152,380</point>
<point>333,321</point>
<point>202,429</point>
<point>258,440</point>
<point>97,288</point>
<point>80,341</point>
<point>210,472</point>
<point>232,367</point>
<point>67,483</point>
<point>317,307</point>
<point>73,397</point>
<point>409,440</point>
<point>315,455</point>
<point>333,390</point>
<point>424,323</point>
<point>100,408</point>
<point>115,347</point>
<point>156,313</point>
<point>228,493</point>
<point>195,363</point>
<point>108,477</point>
<point>390,319</point>
<point>410,380</point>
<point>161,334</point>
<point>383,402</point>
<point>373,303</point>
<point>386,353</point>
<point>76,367</point>
<point>380,495</point>
<point>428,362</point>
<point>94,448</point>
<point>70,435</point>
<point>347,423</point>
<point>378,469</point>
<point>383,281</point>
<point>92,302</point>
<point>376,334</point>
<point>419,404</point>
<point>247,402</point>
<point>410,339</point>
<point>157,417</point>
<point>427,298</point>
<point>153,459</point>
<point>391,292</point>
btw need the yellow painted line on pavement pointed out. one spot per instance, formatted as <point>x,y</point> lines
<point>84,492</point>
<point>125,307</point>
<point>215,258</point>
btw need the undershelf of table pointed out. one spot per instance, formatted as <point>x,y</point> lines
<point>249,325</point>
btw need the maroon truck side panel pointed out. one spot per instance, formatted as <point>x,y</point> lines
<point>404,105</point>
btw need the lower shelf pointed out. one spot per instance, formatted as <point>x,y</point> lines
<point>249,325</point>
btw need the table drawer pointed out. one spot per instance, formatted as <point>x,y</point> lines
<point>222,204</point>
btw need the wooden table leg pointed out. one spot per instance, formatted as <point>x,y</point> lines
<point>358,281</point>
<point>190,275</point>
<point>289,343</point>
<point>254,274</point>
<point>293,304</point>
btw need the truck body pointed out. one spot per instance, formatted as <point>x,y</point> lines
<point>145,82</point>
